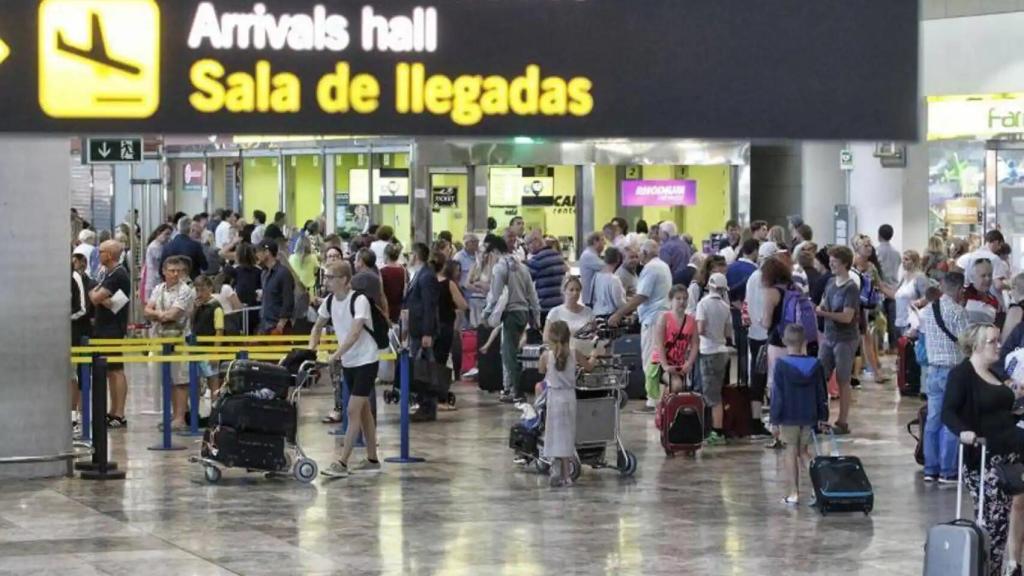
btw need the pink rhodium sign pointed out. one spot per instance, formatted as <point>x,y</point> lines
<point>659,192</point>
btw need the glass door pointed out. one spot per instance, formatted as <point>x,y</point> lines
<point>1005,166</point>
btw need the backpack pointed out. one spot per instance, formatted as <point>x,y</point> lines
<point>381,325</point>
<point>869,296</point>
<point>797,308</point>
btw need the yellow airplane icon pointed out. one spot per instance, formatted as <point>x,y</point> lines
<point>99,58</point>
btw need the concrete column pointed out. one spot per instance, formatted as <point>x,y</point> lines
<point>35,303</point>
<point>823,185</point>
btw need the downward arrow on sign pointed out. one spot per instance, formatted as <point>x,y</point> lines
<point>104,150</point>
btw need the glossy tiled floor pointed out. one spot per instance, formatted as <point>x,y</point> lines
<point>470,511</point>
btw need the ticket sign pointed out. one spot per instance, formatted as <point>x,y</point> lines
<point>564,68</point>
<point>659,192</point>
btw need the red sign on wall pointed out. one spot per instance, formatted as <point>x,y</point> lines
<point>194,173</point>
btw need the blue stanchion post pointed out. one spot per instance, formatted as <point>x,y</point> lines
<point>167,385</point>
<point>403,378</point>
<point>85,379</point>
<point>193,394</point>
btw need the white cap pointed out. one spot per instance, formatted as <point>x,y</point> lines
<point>718,281</point>
<point>87,235</point>
<point>767,250</point>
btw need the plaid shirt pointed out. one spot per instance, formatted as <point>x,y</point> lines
<point>942,351</point>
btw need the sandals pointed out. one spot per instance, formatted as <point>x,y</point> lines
<point>116,422</point>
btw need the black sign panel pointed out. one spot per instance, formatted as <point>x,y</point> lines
<point>837,69</point>
<point>113,150</point>
<point>445,196</point>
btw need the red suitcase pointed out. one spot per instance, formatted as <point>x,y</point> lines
<point>469,349</point>
<point>680,417</point>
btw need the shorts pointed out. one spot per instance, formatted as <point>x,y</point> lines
<point>798,437</point>
<point>361,379</point>
<point>838,356</point>
<point>712,374</point>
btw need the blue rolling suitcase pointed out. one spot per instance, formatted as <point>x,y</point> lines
<point>840,483</point>
<point>960,547</point>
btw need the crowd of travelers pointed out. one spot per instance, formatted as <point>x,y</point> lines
<point>803,321</point>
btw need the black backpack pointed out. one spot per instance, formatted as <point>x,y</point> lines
<point>381,325</point>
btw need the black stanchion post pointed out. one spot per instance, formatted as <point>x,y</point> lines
<point>102,468</point>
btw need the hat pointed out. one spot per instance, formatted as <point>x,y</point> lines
<point>767,250</point>
<point>718,281</point>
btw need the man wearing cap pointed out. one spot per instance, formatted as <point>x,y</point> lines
<point>714,325</point>
<point>278,299</point>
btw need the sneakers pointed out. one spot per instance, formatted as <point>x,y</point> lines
<point>367,467</point>
<point>471,373</point>
<point>337,469</point>
<point>757,428</point>
<point>714,439</point>
<point>775,444</point>
<point>333,417</point>
<point>928,478</point>
<point>948,479</point>
<point>651,404</point>
<point>521,460</point>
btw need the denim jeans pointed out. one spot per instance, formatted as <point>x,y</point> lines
<point>940,445</point>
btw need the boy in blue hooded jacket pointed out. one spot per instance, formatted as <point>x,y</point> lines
<point>799,404</point>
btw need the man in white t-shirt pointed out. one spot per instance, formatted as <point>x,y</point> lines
<point>1000,270</point>
<point>357,350</point>
<point>225,231</point>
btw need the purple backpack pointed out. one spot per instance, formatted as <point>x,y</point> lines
<point>797,308</point>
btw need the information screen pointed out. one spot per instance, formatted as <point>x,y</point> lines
<point>505,187</point>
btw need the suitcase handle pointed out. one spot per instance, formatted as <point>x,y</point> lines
<point>981,480</point>
<point>831,439</point>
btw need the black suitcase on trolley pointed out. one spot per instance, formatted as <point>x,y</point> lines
<point>629,348</point>
<point>244,449</point>
<point>490,374</point>
<point>244,376</point>
<point>248,414</point>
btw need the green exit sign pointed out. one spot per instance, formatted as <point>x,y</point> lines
<point>112,150</point>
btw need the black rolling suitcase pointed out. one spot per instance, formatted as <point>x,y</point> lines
<point>840,483</point>
<point>629,348</point>
<point>248,414</point>
<point>244,449</point>
<point>490,374</point>
<point>244,376</point>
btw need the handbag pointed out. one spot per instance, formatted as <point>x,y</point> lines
<point>1010,477</point>
<point>429,376</point>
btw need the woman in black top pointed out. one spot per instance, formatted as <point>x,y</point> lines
<point>449,302</point>
<point>246,279</point>
<point>978,405</point>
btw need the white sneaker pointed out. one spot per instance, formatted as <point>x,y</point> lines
<point>367,467</point>
<point>652,403</point>
<point>471,373</point>
<point>336,470</point>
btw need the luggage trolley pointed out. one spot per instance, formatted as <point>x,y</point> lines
<point>283,455</point>
<point>600,396</point>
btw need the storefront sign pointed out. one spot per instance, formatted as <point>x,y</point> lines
<point>445,196</point>
<point>565,68</point>
<point>659,192</point>
<point>978,116</point>
<point>963,211</point>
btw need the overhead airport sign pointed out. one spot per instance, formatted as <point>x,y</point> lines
<point>598,68</point>
<point>113,150</point>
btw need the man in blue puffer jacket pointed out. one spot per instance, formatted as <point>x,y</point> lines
<point>548,270</point>
<point>799,404</point>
